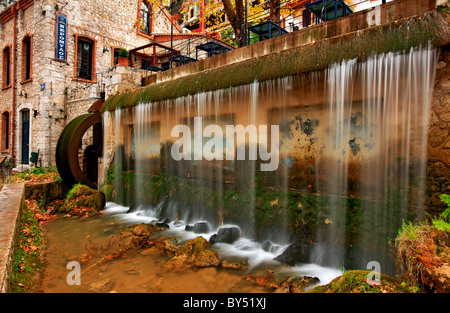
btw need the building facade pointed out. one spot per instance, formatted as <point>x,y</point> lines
<point>58,58</point>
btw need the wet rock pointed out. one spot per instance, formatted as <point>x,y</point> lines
<point>161,226</point>
<point>283,288</point>
<point>299,251</point>
<point>207,258</point>
<point>198,228</point>
<point>82,200</point>
<point>225,235</point>
<point>305,282</point>
<point>143,230</point>
<point>176,265</point>
<point>141,234</point>
<point>198,252</point>
<point>139,242</point>
<point>235,265</point>
<point>296,285</point>
<point>164,220</point>
<point>201,228</point>
<point>270,246</point>
<point>168,243</point>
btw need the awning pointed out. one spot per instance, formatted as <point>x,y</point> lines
<point>212,48</point>
<point>267,30</point>
<point>183,59</point>
<point>329,9</point>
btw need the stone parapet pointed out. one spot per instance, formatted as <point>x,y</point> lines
<point>11,202</point>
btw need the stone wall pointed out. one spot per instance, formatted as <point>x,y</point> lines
<point>438,175</point>
<point>11,204</point>
<point>122,78</point>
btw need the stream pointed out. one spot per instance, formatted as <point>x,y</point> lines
<point>95,241</point>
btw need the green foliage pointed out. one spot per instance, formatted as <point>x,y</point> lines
<point>124,53</point>
<point>446,214</point>
<point>78,190</point>
<point>36,171</point>
<point>441,225</point>
<point>27,259</point>
<point>443,222</point>
<point>356,282</point>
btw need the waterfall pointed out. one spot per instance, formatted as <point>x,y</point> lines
<point>352,156</point>
<point>378,119</point>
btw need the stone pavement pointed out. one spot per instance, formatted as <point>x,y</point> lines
<point>11,200</point>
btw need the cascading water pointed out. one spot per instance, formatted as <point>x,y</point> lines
<point>352,157</point>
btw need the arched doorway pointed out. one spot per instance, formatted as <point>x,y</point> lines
<point>25,136</point>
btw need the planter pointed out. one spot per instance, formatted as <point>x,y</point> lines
<point>122,61</point>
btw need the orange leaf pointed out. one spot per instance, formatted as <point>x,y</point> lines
<point>261,281</point>
<point>248,277</point>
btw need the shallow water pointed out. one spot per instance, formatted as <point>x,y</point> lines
<point>142,270</point>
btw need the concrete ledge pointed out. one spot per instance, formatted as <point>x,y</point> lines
<point>12,199</point>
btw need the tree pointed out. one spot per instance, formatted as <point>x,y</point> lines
<point>235,12</point>
<point>274,9</point>
<point>236,16</point>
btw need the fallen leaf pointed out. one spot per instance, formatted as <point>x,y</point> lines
<point>261,281</point>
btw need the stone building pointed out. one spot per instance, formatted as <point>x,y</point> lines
<point>58,58</point>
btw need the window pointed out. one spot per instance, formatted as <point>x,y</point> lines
<point>26,58</point>
<point>85,59</point>
<point>5,131</point>
<point>145,18</point>
<point>6,67</point>
<point>197,9</point>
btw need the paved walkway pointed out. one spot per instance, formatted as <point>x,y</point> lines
<point>11,200</point>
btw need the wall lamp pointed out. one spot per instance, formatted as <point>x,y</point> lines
<point>35,113</point>
<point>23,94</point>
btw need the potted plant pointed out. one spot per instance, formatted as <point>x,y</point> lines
<point>123,57</point>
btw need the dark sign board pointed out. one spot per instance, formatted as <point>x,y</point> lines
<point>61,37</point>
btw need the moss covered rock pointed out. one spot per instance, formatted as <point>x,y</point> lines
<point>198,252</point>
<point>168,244</point>
<point>356,282</point>
<point>424,252</point>
<point>82,200</point>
